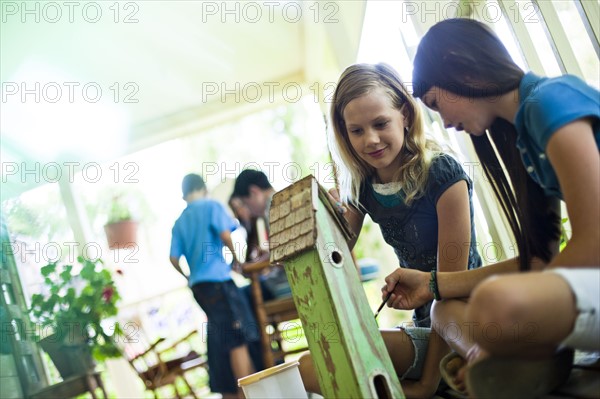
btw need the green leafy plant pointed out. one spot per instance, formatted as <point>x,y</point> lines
<point>79,303</point>
<point>119,211</point>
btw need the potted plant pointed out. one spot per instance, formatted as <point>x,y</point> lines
<point>74,306</point>
<point>121,228</point>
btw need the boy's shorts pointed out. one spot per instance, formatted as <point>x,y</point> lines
<point>585,285</point>
<point>230,325</point>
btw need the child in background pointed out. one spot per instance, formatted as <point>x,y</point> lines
<point>242,213</point>
<point>199,234</point>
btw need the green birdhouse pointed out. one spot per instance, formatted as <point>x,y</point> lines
<point>348,351</point>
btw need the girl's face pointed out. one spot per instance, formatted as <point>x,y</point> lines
<point>376,131</point>
<point>240,210</point>
<point>472,115</point>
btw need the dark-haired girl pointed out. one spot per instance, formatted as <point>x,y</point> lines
<point>547,133</point>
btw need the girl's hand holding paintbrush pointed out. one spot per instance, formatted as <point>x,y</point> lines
<point>406,289</point>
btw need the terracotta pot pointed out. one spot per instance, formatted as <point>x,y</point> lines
<point>122,234</point>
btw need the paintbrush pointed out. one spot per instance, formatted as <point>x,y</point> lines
<point>387,298</point>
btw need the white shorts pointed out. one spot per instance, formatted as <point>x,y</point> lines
<point>585,284</point>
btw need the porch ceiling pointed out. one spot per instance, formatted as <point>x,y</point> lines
<point>90,81</point>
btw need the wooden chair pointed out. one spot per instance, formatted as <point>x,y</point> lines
<point>73,386</point>
<point>270,315</point>
<point>159,365</point>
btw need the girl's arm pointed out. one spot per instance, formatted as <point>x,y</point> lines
<point>412,288</point>
<point>454,238</point>
<point>454,228</point>
<point>573,153</point>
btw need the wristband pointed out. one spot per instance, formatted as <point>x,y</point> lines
<point>433,286</point>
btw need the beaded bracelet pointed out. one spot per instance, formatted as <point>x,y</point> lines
<point>433,286</point>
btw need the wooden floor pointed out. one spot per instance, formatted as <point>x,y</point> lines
<point>584,381</point>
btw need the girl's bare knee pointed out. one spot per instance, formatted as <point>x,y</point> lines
<point>305,360</point>
<point>447,312</point>
<point>308,373</point>
<point>489,300</point>
<point>494,310</point>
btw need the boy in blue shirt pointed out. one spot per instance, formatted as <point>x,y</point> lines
<point>199,234</point>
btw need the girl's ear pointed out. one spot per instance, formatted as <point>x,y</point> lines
<point>405,110</point>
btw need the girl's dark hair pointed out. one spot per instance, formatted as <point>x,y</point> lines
<point>534,218</point>
<point>465,57</point>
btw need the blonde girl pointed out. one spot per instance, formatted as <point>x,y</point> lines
<point>420,197</point>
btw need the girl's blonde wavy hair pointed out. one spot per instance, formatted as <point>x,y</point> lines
<point>416,153</point>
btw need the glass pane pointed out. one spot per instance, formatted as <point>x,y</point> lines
<point>39,233</point>
<point>286,142</point>
<point>7,294</point>
<point>30,369</point>
<point>16,331</point>
<point>492,15</point>
<point>528,13</point>
<point>382,21</point>
<point>579,40</point>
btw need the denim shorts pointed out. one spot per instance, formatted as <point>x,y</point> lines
<point>420,340</point>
